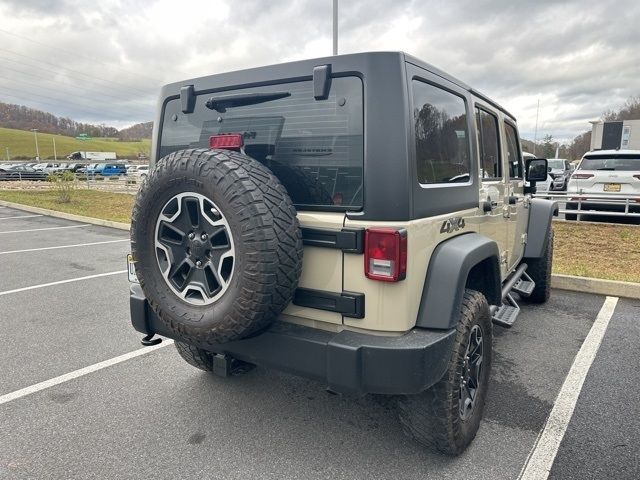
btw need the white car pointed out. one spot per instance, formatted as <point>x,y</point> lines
<point>606,172</point>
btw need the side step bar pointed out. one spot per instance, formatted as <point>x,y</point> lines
<point>506,314</point>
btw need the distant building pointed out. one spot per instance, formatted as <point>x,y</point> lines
<point>624,135</point>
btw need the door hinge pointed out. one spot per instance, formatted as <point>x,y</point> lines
<point>524,238</point>
<point>503,256</point>
<point>526,202</point>
<point>506,212</point>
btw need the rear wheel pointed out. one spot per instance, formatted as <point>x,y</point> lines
<point>539,269</point>
<point>447,416</point>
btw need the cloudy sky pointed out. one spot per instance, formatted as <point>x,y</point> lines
<point>104,61</point>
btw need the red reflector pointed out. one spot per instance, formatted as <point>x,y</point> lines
<point>582,176</point>
<point>226,140</point>
<point>385,254</point>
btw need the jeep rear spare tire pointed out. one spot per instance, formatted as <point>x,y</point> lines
<point>217,245</point>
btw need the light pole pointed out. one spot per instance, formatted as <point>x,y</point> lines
<point>335,27</point>
<point>35,133</point>
<point>55,155</point>
<point>535,135</point>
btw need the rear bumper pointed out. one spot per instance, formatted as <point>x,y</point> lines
<point>346,362</point>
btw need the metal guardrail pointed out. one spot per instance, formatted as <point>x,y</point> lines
<point>623,200</point>
<point>127,183</point>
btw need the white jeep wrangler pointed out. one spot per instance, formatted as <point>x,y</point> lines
<point>360,219</point>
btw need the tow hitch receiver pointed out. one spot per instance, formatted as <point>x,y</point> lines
<point>227,366</point>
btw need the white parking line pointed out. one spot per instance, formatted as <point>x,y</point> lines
<point>81,372</point>
<point>20,216</point>
<point>60,282</point>
<point>544,452</point>
<point>64,246</point>
<point>48,228</point>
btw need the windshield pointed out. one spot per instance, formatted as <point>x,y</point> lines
<point>620,162</point>
<point>556,164</point>
<point>314,147</point>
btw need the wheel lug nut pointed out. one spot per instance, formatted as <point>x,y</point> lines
<point>192,236</point>
<point>204,236</point>
<point>198,263</point>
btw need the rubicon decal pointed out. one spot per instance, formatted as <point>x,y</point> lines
<point>452,224</point>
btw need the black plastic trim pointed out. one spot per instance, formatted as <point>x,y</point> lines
<point>349,240</point>
<point>541,212</point>
<point>345,362</point>
<point>187,98</point>
<point>349,304</point>
<point>449,267</point>
<point>321,82</point>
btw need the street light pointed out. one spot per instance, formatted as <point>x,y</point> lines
<point>35,133</point>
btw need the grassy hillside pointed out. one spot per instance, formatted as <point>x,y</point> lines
<point>22,143</point>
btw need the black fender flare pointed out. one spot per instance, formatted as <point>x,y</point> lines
<point>541,212</point>
<point>449,267</point>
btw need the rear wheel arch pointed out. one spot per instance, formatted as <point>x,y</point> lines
<point>466,261</point>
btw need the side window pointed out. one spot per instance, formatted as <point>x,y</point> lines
<point>514,159</point>
<point>442,137</point>
<point>487,125</point>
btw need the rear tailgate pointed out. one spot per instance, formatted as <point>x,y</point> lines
<point>312,143</point>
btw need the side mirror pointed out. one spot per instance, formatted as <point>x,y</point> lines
<point>537,169</point>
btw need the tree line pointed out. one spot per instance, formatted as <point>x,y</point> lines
<point>25,118</point>
<point>546,148</point>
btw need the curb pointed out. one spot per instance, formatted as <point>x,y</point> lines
<point>596,286</point>
<point>67,216</point>
<point>562,282</point>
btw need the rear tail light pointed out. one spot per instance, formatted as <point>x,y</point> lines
<point>385,254</point>
<point>229,141</point>
<point>581,176</point>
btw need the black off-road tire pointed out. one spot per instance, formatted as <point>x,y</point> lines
<point>195,356</point>
<point>433,417</point>
<point>539,269</point>
<point>266,237</point>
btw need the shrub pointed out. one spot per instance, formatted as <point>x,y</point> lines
<point>65,185</point>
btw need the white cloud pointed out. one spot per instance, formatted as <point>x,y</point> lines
<point>105,61</point>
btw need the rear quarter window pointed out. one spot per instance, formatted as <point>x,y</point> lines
<point>441,135</point>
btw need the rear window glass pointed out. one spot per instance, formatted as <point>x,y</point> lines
<point>441,135</point>
<point>618,162</point>
<point>314,147</point>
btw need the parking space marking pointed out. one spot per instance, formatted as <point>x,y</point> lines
<point>64,246</point>
<point>544,452</point>
<point>60,282</point>
<point>48,228</point>
<point>23,392</point>
<point>20,216</point>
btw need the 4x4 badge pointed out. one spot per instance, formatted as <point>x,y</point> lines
<point>452,224</point>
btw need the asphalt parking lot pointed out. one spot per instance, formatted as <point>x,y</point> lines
<point>64,307</point>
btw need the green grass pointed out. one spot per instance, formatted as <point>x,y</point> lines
<point>584,249</point>
<point>90,203</point>
<point>22,143</point>
<point>593,250</point>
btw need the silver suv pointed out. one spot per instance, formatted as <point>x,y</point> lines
<point>362,220</point>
